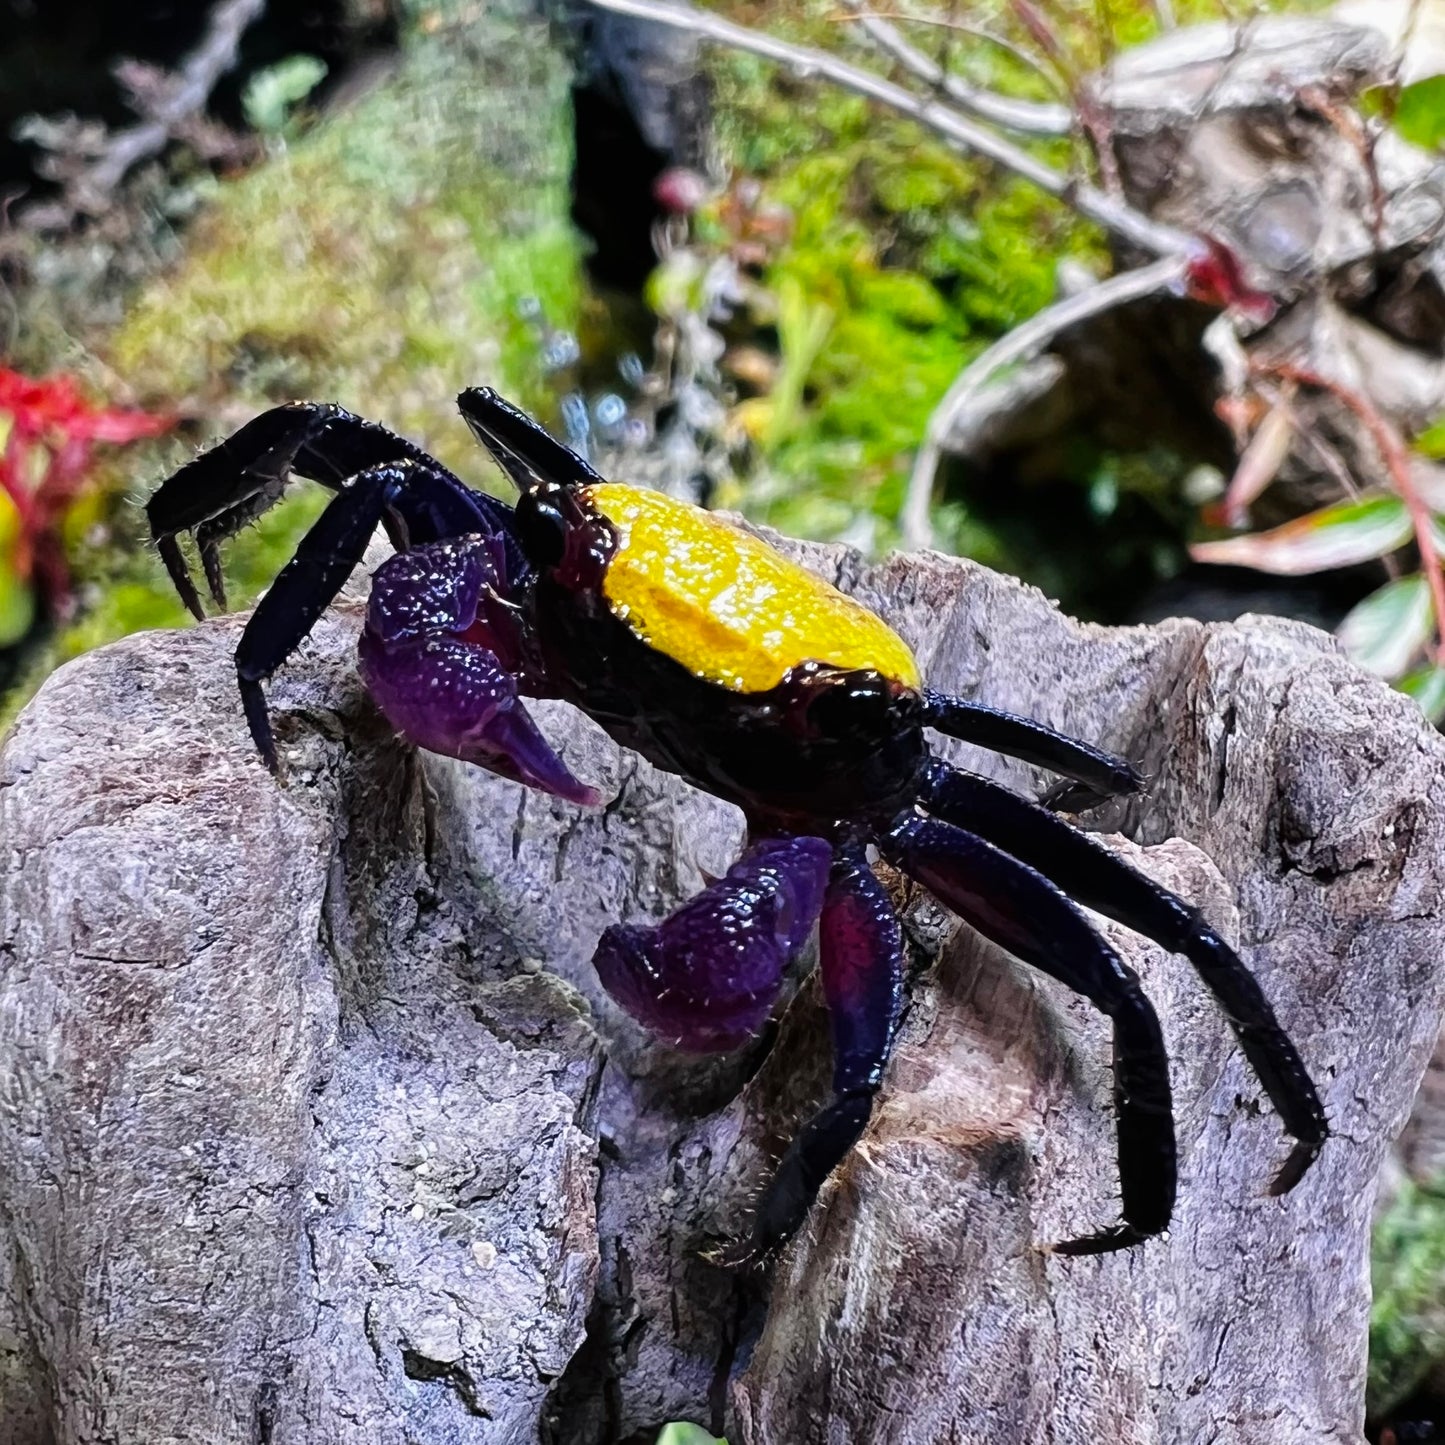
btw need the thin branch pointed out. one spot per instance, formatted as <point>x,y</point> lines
<point>1029,116</point>
<point>89,188</point>
<point>195,80</point>
<point>1023,342</point>
<point>953,26</point>
<point>1114,215</point>
<point>1396,456</point>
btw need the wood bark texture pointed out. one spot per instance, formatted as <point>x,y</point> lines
<point>1251,134</point>
<point>315,1126</point>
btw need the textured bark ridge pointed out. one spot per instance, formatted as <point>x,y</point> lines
<point>308,1133</point>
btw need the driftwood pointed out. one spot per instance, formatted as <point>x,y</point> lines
<point>1253,134</point>
<point>306,1134</point>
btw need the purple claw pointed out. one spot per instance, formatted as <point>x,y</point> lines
<point>432,658</point>
<point>707,977</point>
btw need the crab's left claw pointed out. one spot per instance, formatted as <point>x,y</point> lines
<point>452,697</point>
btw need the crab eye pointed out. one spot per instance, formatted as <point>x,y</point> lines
<point>542,529</point>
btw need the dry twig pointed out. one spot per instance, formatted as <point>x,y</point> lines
<point>954,27</point>
<point>109,156</point>
<point>1028,116</point>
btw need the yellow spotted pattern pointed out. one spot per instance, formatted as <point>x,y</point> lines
<point>727,606</point>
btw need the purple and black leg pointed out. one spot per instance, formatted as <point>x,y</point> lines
<point>233,482</point>
<point>861,965</point>
<point>1021,910</point>
<point>1092,775</point>
<point>707,978</point>
<point>1102,881</point>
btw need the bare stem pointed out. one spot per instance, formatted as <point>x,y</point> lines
<point>1023,342</point>
<point>189,90</point>
<point>1110,212</point>
<point>1030,117</point>
<point>1024,56</point>
<point>1396,456</point>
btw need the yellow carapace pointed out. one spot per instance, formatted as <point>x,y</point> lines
<point>726,605</point>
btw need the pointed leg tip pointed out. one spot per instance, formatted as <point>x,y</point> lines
<point>1071,797</point>
<point>180,575</point>
<point>1106,1241</point>
<point>1304,1153</point>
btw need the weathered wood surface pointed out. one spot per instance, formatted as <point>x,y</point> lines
<point>1247,133</point>
<point>306,1136</point>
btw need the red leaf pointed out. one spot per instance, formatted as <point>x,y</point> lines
<point>1215,276</point>
<point>51,431</point>
<point>53,409</point>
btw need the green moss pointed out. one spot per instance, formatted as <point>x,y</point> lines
<point>380,259</point>
<point>919,256</point>
<point>1407,1320</point>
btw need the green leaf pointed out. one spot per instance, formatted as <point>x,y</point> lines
<point>1335,536</point>
<point>1420,112</point>
<point>273,93</point>
<point>1385,631</point>
<point>682,1434</point>
<point>1427,686</point>
<point>1431,442</point>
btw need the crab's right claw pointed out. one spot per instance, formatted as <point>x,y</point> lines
<point>434,657</point>
<point>706,978</point>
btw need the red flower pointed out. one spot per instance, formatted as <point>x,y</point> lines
<point>49,431</point>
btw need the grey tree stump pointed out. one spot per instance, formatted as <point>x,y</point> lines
<point>315,1127</point>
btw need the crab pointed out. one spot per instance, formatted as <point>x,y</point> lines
<point>699,646</point>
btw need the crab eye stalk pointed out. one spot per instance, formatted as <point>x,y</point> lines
<point>541,529</point>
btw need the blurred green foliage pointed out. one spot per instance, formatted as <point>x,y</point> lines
<point>274,93</point>
<point>1407,1270</point>
<point>917,256</point>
